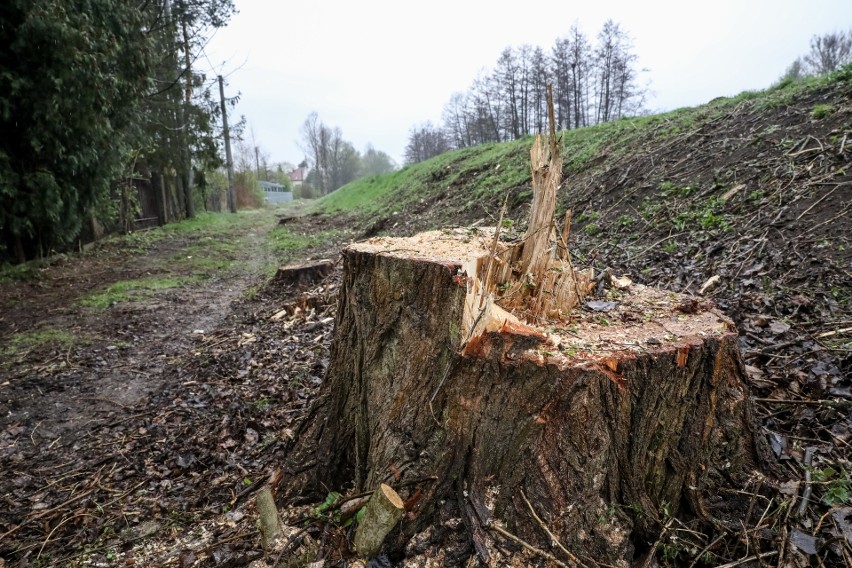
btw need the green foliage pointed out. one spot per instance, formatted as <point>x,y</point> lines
<point>128,290</point>
<point>70,77</point>
<point>22,342</point>
<point>756,196</point>
<point>329,502</point>
<point>22,272</point>
<point>669,189</point>
<point>89,90</point>
<point>837,486</point>
<point>587,216</point>
<point>822,111</point>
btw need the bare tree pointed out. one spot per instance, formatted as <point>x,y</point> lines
<point>591,83</point>
<point>457,116</point>
<point>794,72</point>
<point>316,137</point>
<point>488,110</point>
<point>829,52</point>
<point>424,142</point>
<point>375,162</point>
<point>538,91</point>
<point>344,161</point>
<point>617,93</point>
<point>506,80</point>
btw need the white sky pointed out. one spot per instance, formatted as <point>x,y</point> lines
<point>375,68</point>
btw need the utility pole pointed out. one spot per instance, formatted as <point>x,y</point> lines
<point>257,162</point>
<point>232,199</point>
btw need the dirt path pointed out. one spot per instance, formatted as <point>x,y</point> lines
<point>76,376</point>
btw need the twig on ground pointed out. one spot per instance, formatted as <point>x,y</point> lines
<point>806,494</point>
<point>535,550</point>
<point>552,536</point>
<point>748,559</point>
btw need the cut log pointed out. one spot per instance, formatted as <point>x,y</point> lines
<point>268,521</point>
<point>383,512</point>
<point>305,274</point>
<point>602,417</point>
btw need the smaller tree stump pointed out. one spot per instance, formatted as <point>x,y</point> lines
<point>304,275</point>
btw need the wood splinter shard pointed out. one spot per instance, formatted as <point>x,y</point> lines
<point>534,279</point>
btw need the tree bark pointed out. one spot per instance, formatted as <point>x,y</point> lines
<point>602,419</point>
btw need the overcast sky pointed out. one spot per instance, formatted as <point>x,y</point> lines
<point>375,68</point>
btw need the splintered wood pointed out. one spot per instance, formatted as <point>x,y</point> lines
<point>511,287</point>
<point>535,279</point>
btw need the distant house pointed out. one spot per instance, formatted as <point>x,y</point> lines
<point>275,192</point>
<point>298,176</point>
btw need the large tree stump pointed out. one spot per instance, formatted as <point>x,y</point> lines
<point>459,373</point>
<point>600,418</point>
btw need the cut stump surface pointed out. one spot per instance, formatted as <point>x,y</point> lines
<point>305,274</point>
<point>613,412</point>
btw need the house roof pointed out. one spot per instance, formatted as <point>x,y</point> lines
<point>299,174</point>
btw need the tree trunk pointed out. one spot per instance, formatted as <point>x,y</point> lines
<point>159,188</point>
<point>602,419</point>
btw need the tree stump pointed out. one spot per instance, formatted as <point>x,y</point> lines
<point>597,420</point>
<point>304,275</point>
<point>461,372</point>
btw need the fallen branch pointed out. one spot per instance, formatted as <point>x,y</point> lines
<point>748,559</point>
<point>528,546</point>
<point>836,404</point>
<point>806,494</point>
<point>552,536</point>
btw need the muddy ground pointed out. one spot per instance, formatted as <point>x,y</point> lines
<point>116,422</point>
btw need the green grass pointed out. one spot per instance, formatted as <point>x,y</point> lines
<point>286,245</point>
<point>129,290</point>
<point>25,341</point>
<point>488,170</point>
<point>20,272</point>
<point>210,222</point>
<point>214,225</point>
<point>822,111</point>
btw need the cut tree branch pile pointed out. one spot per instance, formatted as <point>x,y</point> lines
<point>468,363</point>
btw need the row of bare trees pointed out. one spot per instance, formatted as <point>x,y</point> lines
<point>334,161</point>
<point>592,82</point>
<point>828,53</point>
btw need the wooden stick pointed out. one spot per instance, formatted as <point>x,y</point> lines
<point>528,546</point>
<point>835,332</point>
<point>552,536</point>
<point>806,494</point>
<point>747,559</point>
